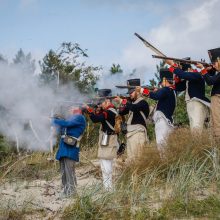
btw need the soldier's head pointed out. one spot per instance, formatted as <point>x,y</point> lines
<point>106,103</point>
<point>166,77</point>
<point>186,66</point>
<point>133,95</point>
<point>214,55</point>
<point>131,91</point>
<point>74,110</point>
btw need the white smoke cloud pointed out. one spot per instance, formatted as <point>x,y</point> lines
<point>25,106</point>
<point>190,30</point>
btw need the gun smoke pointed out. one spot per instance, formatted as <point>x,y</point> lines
<point>109,80</point>
<point>26,106</point>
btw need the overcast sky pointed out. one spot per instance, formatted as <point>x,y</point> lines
<point>106,28</point>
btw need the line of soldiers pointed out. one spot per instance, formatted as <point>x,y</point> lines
<point>174,79</point>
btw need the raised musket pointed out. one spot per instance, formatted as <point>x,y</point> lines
<point>182,60</point>
<point>147,44</point>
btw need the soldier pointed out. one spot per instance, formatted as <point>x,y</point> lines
<point>138,111</point>
<point>163,115</point>
<point>196,102</point>
<point>71,130</point>
<point>108,139</point>
<point>212,77</point>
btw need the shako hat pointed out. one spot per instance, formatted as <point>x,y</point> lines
<point>214,54</point>
<point>165,73</point>
<point>104,92</point>
<point>133,82</point>
<point>185,66</point>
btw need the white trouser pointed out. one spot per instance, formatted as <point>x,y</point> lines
<point>107,167</point>
<point>162,131</point>
<point>197,113</point>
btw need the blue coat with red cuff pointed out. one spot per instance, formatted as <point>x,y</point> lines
<point>74,126</point>
<point>166,98</point>
<point>196,83</point>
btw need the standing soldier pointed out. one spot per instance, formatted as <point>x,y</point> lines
<point>212,77</point>
<point>138,111</point>
<point>71,130</point>
<point>163,115</point>
<point>108,139</point>
<point>196,102</point>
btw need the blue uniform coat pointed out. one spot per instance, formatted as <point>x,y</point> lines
<point>196,86</point>
<point>166,101</point>
<point>75,126</point>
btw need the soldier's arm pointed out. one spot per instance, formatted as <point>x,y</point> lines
<point>159,94</point>
<point>73,121</point>
<point>186,75</point>
<point>211,80</point>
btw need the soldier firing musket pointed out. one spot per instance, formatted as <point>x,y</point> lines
<point>108,139</point>
<point>138,110</point>
<point>163,114</point>
<point>71,130</point>
<point>212,78</point>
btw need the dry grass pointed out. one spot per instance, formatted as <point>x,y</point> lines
<point>31,167</point>
<point>189,171</point>
<point>181,184</point>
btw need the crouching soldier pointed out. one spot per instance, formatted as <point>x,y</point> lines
<point>138,111</point>
<point>108,139</point>
<point>163,115</point>
<point>71,130</point>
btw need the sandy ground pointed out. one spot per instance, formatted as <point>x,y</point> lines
<point>44,195</point>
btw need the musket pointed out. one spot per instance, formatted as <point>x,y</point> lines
<point>147,44</point>
<point>113,97</point>
<point>133,87</point>
<point>182,60</point>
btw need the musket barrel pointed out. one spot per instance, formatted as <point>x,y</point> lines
<point>133,87</point>
<point>147,44</point>
<point>181,60</point>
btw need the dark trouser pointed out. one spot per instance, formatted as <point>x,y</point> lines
<point>67,168</point>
